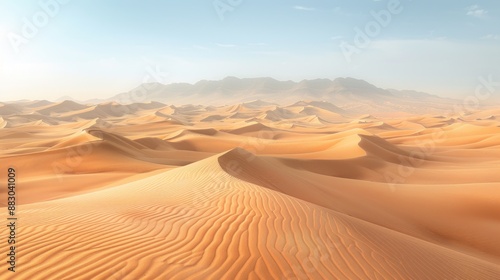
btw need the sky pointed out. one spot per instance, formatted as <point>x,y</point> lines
<point>88,49</point>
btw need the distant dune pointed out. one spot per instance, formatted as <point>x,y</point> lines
<point>254,190</point>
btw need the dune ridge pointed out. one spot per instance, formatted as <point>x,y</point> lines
<point>252,190</point>
<point>232,230</point>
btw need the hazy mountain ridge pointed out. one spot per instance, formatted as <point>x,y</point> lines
<point>347,93</point>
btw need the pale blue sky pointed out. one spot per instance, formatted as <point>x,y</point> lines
<point>90,49</point>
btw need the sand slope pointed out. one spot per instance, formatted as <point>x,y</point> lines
<point>251,191</point>
<point>219,227</point>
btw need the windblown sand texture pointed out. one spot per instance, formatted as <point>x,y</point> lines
<point>251,191</point>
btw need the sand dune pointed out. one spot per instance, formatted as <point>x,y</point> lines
<point>61,107</point>
<point>10,109</point>
<point>36,103</point>
<point>398,209</point>
<point>252,190</point>
<point>3,123</point>
<point>224,228</point>
<point>251,128</point>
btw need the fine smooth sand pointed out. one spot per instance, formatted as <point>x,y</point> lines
<point>251,191</point>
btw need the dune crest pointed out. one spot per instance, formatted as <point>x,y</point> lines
<point>253,190</point>
<point>219,226</point>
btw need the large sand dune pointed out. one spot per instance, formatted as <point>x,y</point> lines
<point>251,191</point>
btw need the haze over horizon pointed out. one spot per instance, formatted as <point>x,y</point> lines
<point>89,49</point>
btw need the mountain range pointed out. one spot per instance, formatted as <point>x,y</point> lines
<point>349,94</point>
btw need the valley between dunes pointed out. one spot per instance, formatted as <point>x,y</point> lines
<point>250,191</point>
